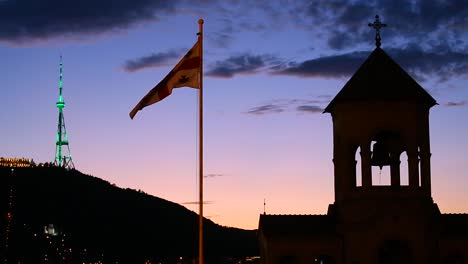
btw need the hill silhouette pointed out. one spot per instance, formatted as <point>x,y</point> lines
<point>88,219</point>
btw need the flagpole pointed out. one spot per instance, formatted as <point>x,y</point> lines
<point>200,147</point>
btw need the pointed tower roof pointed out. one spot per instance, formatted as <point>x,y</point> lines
<point>380,78</point>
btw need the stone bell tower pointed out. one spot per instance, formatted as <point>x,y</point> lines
<point>380,131</point>
<point>380,116</point>
<point>381,113</point>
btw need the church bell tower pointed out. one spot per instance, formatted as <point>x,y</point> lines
<point>381,123</point>
<point>383,211</point>
<point>380,114</point>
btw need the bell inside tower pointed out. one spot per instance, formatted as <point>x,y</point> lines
<point>380,154</point>
<point>387,161</point>
<point>386,150</point>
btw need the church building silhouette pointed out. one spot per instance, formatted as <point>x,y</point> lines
<point>380,116</point>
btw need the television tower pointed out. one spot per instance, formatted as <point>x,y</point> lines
<point>62,156</point>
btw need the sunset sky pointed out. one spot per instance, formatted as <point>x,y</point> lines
<point>270,69</point>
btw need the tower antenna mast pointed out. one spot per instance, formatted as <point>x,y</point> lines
<point>62,155</point>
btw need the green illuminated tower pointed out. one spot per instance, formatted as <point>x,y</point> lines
<point>62,156</point>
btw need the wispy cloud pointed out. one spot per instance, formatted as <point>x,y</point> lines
<point>312,109</point>
<point>213,175</point>
<point>427,37</point>
<point>338,24</point>
<point>283,105</point>
<point>266,109</point>
<point>239,64</point>
<point>439,62</point>
<point>334,66</point>
<point>153,60</point>
<point>455,104</point>
<point>343,23</point>
<point>196,202</point>
<point>236,17</point>
<point>26,20</point>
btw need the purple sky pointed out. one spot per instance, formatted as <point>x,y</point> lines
<point>270,68</point>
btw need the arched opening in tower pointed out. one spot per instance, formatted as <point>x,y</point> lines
<point>404,175</point>
<point>357,158</point>
<point>380,164</point>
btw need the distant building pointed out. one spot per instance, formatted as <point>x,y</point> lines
<point>16,162</point>
<point>380,108</point>
<point>50,229</point>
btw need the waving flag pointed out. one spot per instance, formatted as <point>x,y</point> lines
<point>185,74</point>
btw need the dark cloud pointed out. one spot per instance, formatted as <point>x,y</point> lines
<point>422,16</point>
<point>329,66</point>
<point>344,22</point>
<point>213,175</point>
<point>339,40</point>
<point>350,26</point>
<point>298,105</point>
<point>455,104</point>
<point>239,64</point>
<point>266,109</point>
<point>153,60</point>
<point>221,39</point>
<point>325,97</point>
<point>439,62</point>
<point>259,17</point>
<point>353,13</point>
<point>26,20</point>
<point>312,109</point>
<point>223,36</point>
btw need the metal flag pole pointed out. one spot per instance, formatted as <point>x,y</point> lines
<point>200,159</point>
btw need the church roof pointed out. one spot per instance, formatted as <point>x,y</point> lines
<point>380,78</point>
<point>296,225</point>
<point>455,224</point>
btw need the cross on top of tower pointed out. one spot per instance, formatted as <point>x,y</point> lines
<point>377,25</point>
